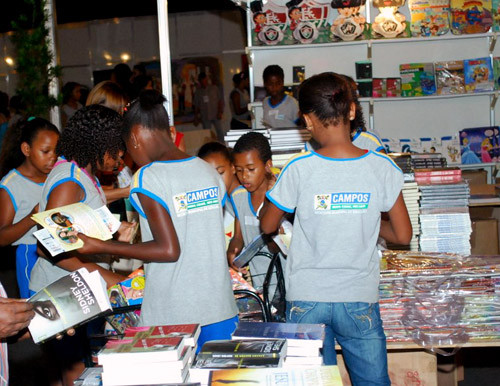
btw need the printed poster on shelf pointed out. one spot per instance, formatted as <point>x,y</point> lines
<point>389,23</point>
<point>470,16</point>
<point>480,145</point>
<point>429,17</point>
<point>308,20</point>
<point>269,23</point>
<point>350,23</point>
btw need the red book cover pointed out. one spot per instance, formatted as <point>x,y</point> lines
<point>438,172</point>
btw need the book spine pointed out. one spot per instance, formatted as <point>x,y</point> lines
<point>436,173</point>
<point>452,178</point>
<point>205,355</point>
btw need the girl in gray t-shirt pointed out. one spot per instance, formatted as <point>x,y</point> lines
<point>180,200</point>
<point>337,194</point>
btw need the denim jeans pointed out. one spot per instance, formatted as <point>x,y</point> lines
<point>357,327</point>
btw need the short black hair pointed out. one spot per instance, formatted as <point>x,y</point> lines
<point>147,111</point>
<point>214,148</point>
<point>90,133</point>
<point>254,141</point>
<point>273,70</point>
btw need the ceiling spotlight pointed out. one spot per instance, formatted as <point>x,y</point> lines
<point>9,60</point>
<point>125,57</point>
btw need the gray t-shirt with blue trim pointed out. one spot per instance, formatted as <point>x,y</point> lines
<point>284,114</point>
<point>333,254</point>
<point>24,195</point>
<point>44,272</point>
<point>197,287</point>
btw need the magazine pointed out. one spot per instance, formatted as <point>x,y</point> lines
<point>62,225</point>
<point>68,302</point>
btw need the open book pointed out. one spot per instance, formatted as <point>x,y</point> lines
<point>62,225</point>
<point>68,302</point>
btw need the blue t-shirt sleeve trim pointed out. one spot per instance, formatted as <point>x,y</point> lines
<point>10,195</point>
<point>236,215</point>
<point>224,200</point>
<point>150,195</point>
<point>380,148</point>
<point>64,180</point>
<point>278,205</point>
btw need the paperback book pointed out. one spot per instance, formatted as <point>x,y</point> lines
<point>244,348</point>
<point>189,332</point>
<point>62,225</point>
<point>68,302</point>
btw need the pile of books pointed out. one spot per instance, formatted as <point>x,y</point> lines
<point>237,354</point>
<point>444,218</point>
<point>304,341</point>
<point>427,161</point>
<point>149,355</point>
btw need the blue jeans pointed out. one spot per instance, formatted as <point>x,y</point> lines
<point>357,327</point>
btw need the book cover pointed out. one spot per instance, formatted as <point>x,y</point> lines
<point>317,376</point>
<point>470,17</point>
<point>189,332</point>
<point>438,172</point>
<point>296,334</point>
<point>143,350</point>
<point>209,362</point>
<point>68,302</point>
<point>133,287</point>
<point>479,144</point>
<point>478,75</point>
<point>249,252</point>
<point>120,322</point>
<point>429,17</point>
<point>244,348</point>
<point>417,79</point>
<point>62,225</point>
<point>450,78</point>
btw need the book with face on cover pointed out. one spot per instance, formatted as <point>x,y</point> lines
<point>68,302</point>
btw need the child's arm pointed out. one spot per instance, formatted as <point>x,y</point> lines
<point>164,247</point>
<point>10,232</point>
<point>235,245</point>
<point>398,228</point>
<point>270,217</point>
<point>69,193</point>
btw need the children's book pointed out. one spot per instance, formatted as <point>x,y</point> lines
<point>62,225</point>
<point>496,72</point>
<point>133,287</point>
<point>450,148</point>
<point>450,78</point>
<point>296,334</point>
<point>393,86</point>
<point>479,144</point>
<point>189,332</point>
<point>470,17</point>
<point>350,23</point>
<point>120,322</point>
<point>417,79</point>
<point>478,75</point>
<point>244,348</point>
<point>68,302</point>
<point>317,376</point>
<point>429,17</point>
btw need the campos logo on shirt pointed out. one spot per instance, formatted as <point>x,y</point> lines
<point>333,202</point>
<point>196,201</point>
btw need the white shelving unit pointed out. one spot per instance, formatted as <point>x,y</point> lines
<point>431,116</point>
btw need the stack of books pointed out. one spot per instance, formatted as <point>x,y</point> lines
<point>411,196</point>
<point>427,160</point>
<point>149,355</point>
<point>304,340</point>
<point>444,218</point>
<point>237,354</point>
<point>438,175</point>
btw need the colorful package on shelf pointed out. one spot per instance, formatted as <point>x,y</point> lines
<point>429,17</point>
<point>430,145</point>
<point>479,144</point>
<point>450,78</point>
<point>379,88</point>
<point>133,287</point>
<point>393,86</point>
<point>307,21</point>
<point>496,72</point>
<point>495,10</point>
<point>119,322</point>
<point>470,17</point>
<point>478,75</point>
<point>350,24</point>
<point>269,23</point>
<point>417,79</point>
<point>450,148</point>
<point>389,23</point>
<point>365,88</point>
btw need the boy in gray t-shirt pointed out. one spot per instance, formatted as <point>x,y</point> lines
<point>338,194</point>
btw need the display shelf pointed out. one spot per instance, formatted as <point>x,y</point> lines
<point>428,97</point>
<point>490,167</point>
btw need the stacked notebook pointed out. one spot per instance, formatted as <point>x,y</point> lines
<point>444,218</point>
<point>149,355</point>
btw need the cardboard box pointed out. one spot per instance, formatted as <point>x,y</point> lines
<point>475,177</point>
<point>484,237</point>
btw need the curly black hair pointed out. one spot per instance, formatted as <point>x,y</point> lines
<point>11,155</point>
<point>273,70</point>
<point>254,141</point>
<point>89,134</point>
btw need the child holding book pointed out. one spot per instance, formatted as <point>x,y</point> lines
<point>28,155</point>
<point>279,110</point>
<point>338,193</point>
<point>180,200</point>
<point>252,161</point>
